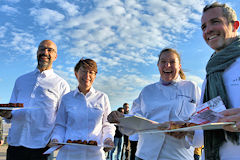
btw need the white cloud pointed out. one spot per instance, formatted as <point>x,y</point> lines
<point>70,8</point>
<point>196,79</point>
<point>122,36</point>
<point>109,62</point>
<point>13,1</point>
<point>8,10</point>
<point>37,2</point>
<point>115,28</point>
<point>195,5</point>
<point>3,30</point>
<point>22,41</point>
<point>18,41</point>
<point>121,89</point>
<point>105,4</point>
<point>68,75</point>
<point>118,10</point>
<point>46,17</point>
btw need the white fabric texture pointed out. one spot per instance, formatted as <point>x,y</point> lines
<point>32,126</point>
<point>83,117</point>
<point>175,102</point>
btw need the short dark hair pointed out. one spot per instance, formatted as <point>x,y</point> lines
<point>86,64</point>
<point>228,12</point>
<point>120,108</point>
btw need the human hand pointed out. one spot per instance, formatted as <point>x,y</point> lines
<point>1,142</point>
<point>108,142</point>
<point>231,115</point>
<point>114,117</point>
<point>171,125</point>
<point>177,135</point>
<point>52,143</point>
<point>164,126</point>
<point>6,114</point>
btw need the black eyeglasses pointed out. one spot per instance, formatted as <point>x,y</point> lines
<point>91,73</point>
<point>50,50</point>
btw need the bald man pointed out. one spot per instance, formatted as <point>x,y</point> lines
<point>40,91</point>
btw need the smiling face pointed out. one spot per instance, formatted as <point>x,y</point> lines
<point>85,79</point>
<point>169,66</point>
<point>217,31</point>
<point>46,55</point>
<point>126,108</point>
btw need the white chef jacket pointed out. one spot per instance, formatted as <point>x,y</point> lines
<point>231,78</point>
<point>175,102</point>
<point>32,126</point>
<point>83,117</point>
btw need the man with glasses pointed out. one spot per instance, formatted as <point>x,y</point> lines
<point>40,91</point>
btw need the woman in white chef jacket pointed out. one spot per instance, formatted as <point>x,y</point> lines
<point>83,116</point>
<point>170,99</point>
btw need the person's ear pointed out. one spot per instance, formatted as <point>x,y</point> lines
<point>235,26</point>
<point>55,56</point>
<point>76,75</point>
<point>158,64</point>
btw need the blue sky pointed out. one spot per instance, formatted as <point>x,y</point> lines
<point>124,37</point>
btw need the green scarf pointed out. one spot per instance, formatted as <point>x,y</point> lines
<point>217,64</point>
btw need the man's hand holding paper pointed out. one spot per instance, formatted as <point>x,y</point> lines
<point>231,115</point>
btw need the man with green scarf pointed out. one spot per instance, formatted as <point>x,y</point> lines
<point>219,27</point>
